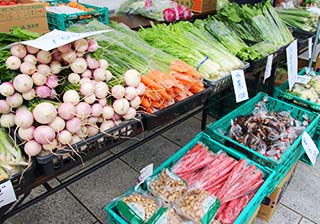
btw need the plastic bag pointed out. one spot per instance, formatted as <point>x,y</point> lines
<point>198,206</point>
<point>171,217</point>
<point>167,186</point>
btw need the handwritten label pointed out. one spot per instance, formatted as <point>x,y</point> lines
<point>267,71</point>
<point>310,47</point>
<point>145,173</point>
<point>292,63</point>
<point>239,85</point>
<point>57,38</point>
<point>7,194</point>
<point>310,148</point>
<point>303,79</point>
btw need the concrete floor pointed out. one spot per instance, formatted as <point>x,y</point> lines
<point>83,202</point>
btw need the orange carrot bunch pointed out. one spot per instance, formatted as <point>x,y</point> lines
<point>164,89</point>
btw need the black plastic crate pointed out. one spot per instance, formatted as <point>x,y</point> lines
<point>164,116</point>
<point>64,159</point>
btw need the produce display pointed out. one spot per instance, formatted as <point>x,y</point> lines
<point>69,8</point>
<point>191,43</point>
<point>160,10</point>
<point>257,23</point>
<point>299,18</point>
<point>8,2</point>
<point>233,182</point>
<point>270,133</point>
<point>310,91</point>
<point>58,98</point>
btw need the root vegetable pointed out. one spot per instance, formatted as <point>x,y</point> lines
<point>84,80</point>
<point>32,148</point>
<point>130,114</point>
<point>30,58</point>
<point>86,89</point>
<point>4,107</point>
<point>44,134</point>
<point>7,89</point>
<point>7,120</point>
<point>71,96</point>
<point>101,90</point>
<point>32,50</point>
<point>83,132</point>
<point>13,63</point>
<point>118,91</point>
<point>81,45</point>
<point>83,110</point>
<point>107,112</point>
<point>52,81</point>
<point>58,124</point>
<point>92,130</point>
<point>15,100</point>
<point>45,113</point>
<point>69,56</point>
<point>23,118</point>
<point>44,69</point>
<point>109,75</point>
<point>65,48</point>
<point>67,110</point>
<point>39,79</point>
<point>106,125</point>
<point>100,74</point>
<point>74,78</point>
<point>86,74</point>
<point>28,68</point>
<point>102,102</point>
<point>55,67</point>
<point>121,106</point>
<point>92,45</point>
<point>103,63</point>
<point>53,94</point>
<point>50,146</point>
<point>132,78</point>
<point>18,50</point>
<point>26,133</point>
<point>44,57</point>
<point>140,89</point>
<point>96,110</point>
<point>56,55</point>
<point>30,95</point>
<point>75,139</point>
<point>135,103</point>
<point>92,63</point>
<point>65,137</point>
<point>93,120</point>
<point>43,92</point>
<point>130,93</point>
<point>116,117</point>
<point>22,83</point>
<point>90,99</point>
<point>73,125</point>
<point>79,65</point>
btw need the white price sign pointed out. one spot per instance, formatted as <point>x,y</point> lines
<point>292,63</point>
<point>145,173</point>
<point>310,47</point>
<point>239,85</point>
<point>57,38</point>
<point>303,79</point>
<point>310,148</point>
<point>7,194</point>
<point>267,71</point>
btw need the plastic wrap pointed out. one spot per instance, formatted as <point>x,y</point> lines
<point>172,217</point>
<point>167,186</point>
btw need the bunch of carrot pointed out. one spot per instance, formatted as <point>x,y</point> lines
<point>164,89</point>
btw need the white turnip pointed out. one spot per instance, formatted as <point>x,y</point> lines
<point>103,63</point>
<point>39,79</point>
<point>65,137</point>
<point>32,148</point>
<point>18,50</point>
<point>67,111</point>
<point>44,69</point>
<point>44,134</point>
<point>65,48</point>
<point>101,90</point>
<point>28,68</point>
<point>71,96</point>
<point>52,81</point>
<point>100,74</point>
<point>23,118</point>
<point>106,125</point>
<point>15,100</point>
<point>92,130</point>
<point>32,50</point>
<point>4,107</point>
<point>69,57</point>
<point>107,112</point>
<point>13,63</point>
<point>26,133</point>
<point>44,57</point>
<point>7,89</point>
<point>102,102</point>
<point>83,132</point>
<point>118,91</point>
<point>121,106</point>
<point>55,67</point>
<point>7,120</point>
<point>90,99</point>
<point>92,45</point>
<point>135,103</point>
<point>75,139</point>
<point>130,114</point>
<point>74,78</point>
<point>86,74</point>
<point>132,78</point>
<point>81,45</point>
<point>140,89</point>
<point>58,124</point>
<point>92,63</point>
<point>84,80</point>
<point>83,110</point>
<point>30,58</point>
<point>43,92</point>
<point>86,89</point>
<point>131,93</point>
<point>93,120</point>
<point>73,125</point>
<point>45,113</point>
<point>30,95</point>
<point>22,83</point>
<point>50,146</point>
<point>79,65</point>
<point>56,55</point>
<point>109,75</point>
<point>96,110</point>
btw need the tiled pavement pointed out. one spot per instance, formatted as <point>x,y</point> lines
<point>83,202</point>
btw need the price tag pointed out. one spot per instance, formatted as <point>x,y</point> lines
<point>239,85</point>
<point>145,173</point>
<point>292,63</point>
<point>310,148</point>
<point>267,71</point>
<point>310,47</point>
<point>57,38</point>
<point>7,194</point>
<point>303,79</point>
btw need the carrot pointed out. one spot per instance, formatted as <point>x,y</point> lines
<point>150,83</point>
<point>156,104</point>
<point>179,66</point>
<point>145,102</point>
<point>196,88</point>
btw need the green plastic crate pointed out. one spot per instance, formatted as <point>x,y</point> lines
<point>289,158</point>
<point>246,214</point>
<point>63,21</point>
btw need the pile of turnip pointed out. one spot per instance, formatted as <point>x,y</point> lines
<point>61,97</point>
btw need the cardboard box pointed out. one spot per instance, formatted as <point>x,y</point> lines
<point>254,216</point>
<point>29,16</point>
<point>270,204</point>
<point>199,6</point>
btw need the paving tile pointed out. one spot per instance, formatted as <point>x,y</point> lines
<point>303,193</point>
<point>306,221</point>
<point>99,188</point>
<point>310,169</point>
<point>282,215</point>
<point>59,208</point>
<point>184,132</point>
<point>156,151</point>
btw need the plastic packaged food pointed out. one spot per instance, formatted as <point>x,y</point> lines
<point>171,217</point>
<point>167,186</point>
<point>198,206</point>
